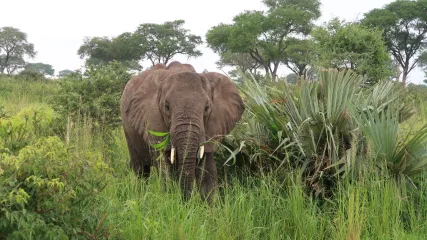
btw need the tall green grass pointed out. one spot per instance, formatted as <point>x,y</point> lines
<point>261,208</point>
<point>16,94</point>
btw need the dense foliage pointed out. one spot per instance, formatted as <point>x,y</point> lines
<point>318,154</point>
<point>47,191</point>
<point>83,188</point>
<point>95,94</point>
<point>265,35</point>
<point>319,126</point>
<point>404,27</point>
<point>42,68</point>
<point>352,46</point>
<point>158,43</point>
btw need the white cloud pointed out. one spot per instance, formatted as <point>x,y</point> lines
<point>57,28</point>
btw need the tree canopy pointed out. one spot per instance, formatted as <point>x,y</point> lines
<point>158,43</point>
<point>265,35</point>
<point>242,60</point>
<point>161,42</point>
<point>102,50</point>
<point>343,45</point>
<point>64,73</point>
<point>300,55</point>
<point>404,26</point>
<point>14,46</point>
<point>45,69</point>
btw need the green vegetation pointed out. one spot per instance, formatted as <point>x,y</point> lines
<point>94,94</point>
<point>404,27</point>
<point>265,36</point>
<point>13,47</point>
<point>158,43</point>
<point>352,46</point>
<point>45,69</point>
<point>337,151</point>
<point>83,188</point>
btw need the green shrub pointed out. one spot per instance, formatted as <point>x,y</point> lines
<point>25,127</point>
<point>30,75</point>
<point>96,94</point>
<point>47,191</point>
<point>417,96</point>
<point>311,126</point>
<point>404,157</point>
<point>3,112</point>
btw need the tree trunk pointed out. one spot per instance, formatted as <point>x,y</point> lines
<point>267,71</point>
<point>274,73</point>
<point>405,76</point>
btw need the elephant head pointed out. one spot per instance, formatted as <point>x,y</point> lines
<point>193,107</point>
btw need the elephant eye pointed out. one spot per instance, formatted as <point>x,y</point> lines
<point>207,108</point>
<point>167,107</point>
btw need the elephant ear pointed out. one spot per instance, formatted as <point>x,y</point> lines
<point>143,113</point>
<point>227,107</point>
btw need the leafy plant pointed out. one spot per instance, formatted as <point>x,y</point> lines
<point>30,75</point>
<point>310,125</point>
<point>47,191</point>
<point>405,157</point>
<point>163,144</point>
<point>96,94</point>
<point>25,127</point>
<point>344,45</point>
<point>3,112</point>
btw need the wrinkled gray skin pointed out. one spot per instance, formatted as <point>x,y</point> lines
<point>192,107</point>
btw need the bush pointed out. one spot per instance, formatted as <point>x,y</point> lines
<point>25,127</point>
<point>417,95</point>
<point>30,75</point>
<point>47,191</point>
<point>95,94</point>
<point>3,112</point>
<point>311,125</point>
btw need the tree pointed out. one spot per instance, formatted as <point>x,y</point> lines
<point>13,47</point>
<point>241,60</point>
<point>64,73</point>
<point>238,77</point>
<point>161,42</point>
<point>299,56</point>
<point>264,34</point>
<point>343,45</point>
<point>14,63</point>
<point>404,26</point>
<point>103,50</point>
<point>45,69</point>
<point>422,61</point>
<point>158,43</point>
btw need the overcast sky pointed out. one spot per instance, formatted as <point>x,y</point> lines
<point>57,28</point>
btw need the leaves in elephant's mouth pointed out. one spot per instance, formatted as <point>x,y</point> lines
<point>163,144</point>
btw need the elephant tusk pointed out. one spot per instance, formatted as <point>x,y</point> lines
<point>172,154</point>
<point>201,151</point>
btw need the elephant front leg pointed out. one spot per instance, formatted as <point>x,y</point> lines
<point>139,156</point>
<point>207,177</point>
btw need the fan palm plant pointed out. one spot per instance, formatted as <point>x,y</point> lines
<point>404,157</point>
<point>311,125</point>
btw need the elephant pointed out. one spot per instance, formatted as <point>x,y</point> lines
<point>196,109</point>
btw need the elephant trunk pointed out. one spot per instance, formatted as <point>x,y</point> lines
<point>186,138</point>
